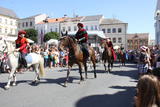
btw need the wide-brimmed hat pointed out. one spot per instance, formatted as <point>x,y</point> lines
<point>80,24</point>
<point>21,32</point>
<point>143,48</point>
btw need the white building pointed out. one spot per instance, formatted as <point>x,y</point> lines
<point>30,22</point>
<point>157,23</point>
<point>116,30</point>
<point>8,22</point>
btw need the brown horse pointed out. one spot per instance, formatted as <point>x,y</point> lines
<point>76,56</point>
<point>107,55</point>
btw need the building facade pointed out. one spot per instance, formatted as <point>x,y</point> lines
<point>135,41</point>
<point>157,23</point>
<point>8,22</point>
<point>30,22</point>
<point>116,30</point>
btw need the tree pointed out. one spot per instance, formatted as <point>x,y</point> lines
<point>51,35</point>
<point>32,34</point>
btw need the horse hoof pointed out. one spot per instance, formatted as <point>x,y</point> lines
<point>65,85</point>
<point>95,76</point>
<point>14,84</point>
<point>6,87</point>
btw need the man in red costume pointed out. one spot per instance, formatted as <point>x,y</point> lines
<point>21,46</point>
<point>82,37</point>
<point>110,45</point>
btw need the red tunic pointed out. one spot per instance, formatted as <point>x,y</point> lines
<point>82,33</point>
<point>110,45</point>
<point>23,44</point>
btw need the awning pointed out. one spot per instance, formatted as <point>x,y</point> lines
<point>54,41</point>
<point>116,47</point>
<point>90,33</point>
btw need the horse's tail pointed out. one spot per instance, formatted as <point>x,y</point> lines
<point>41,66</point>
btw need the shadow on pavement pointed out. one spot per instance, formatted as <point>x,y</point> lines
<point>119,99</point>
<point>59,81</point>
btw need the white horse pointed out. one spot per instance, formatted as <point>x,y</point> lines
<point>32,59</point>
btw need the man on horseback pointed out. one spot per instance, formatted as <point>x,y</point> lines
<point>21,46</point>
<point>82,37</point>
<point>110,45</point>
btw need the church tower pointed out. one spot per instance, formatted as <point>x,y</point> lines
<point>157,23</point>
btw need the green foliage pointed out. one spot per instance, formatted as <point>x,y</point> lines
<point>51,35</point>
<point>32,34</point>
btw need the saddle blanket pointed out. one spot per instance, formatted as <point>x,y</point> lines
<point>29,59</point>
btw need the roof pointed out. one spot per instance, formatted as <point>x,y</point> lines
<point>92,18</point>
<point>53,20</point>
<point>32,16</point>
<point>7,12</point>
<point>111,21</point>
<point>98,33</point>
<point>138,35</point>
<point>74,19</point>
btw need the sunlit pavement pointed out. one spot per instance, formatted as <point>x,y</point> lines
<point>115,89</point>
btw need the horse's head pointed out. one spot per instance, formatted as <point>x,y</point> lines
<point>103,43</point>
<point>66,41</point>
<point>3,45</point>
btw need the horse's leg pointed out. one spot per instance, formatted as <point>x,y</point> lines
<point>105,64</point>
<point>94,66</point>
<point>14,79</point>
<point>80,72</point>
<point>68,72</point>
<point>9,79</point>
<point>85,68</point>
<point>36,80</point>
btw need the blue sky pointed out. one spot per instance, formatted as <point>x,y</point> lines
<point>139,14</point>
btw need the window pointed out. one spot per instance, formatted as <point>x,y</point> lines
<point>56,29</point>
<point>104,30</point>
<point>63,29</point>
<point>86,27</point>
<point>19,25</point>
<point>26,24</point>
<point>75,28</point>
<point>6,30</point>
<point>91,27</point>
<point>119,40</point>
<point>69,28</point>
<point>11,31</point>
<point>31,24</point>
<point>114,30</point>
<point>96,27</point>
<point>119,30</point>
<point>5,21</point>
<point>114,40</point>
<point>51,30</point>
<point>23,24</point>
<point>11,22</point>
<point>108,30</point>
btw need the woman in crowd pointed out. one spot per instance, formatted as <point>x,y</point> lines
<point>148,92</point>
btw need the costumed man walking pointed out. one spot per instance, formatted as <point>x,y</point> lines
<point>82,37</point>
<point>21,46</point>
<point>110,45</point>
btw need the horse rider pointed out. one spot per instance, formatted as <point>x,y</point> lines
<point>110,45</point>
<point>21,46</point>
<point>82,38</point>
